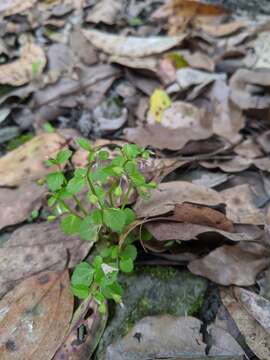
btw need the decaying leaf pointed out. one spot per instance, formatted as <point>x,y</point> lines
<point>16,205</point>
<point>12,7</point>
<point>187,77</point>
<point>168,194</point>
<point>241,208</point>
<point>255,336</point>
<point>27,67</point>
<point>233,265</point>
<point>236,164</point>
<point>164,231</point>
<point>28,160</point>
<point>105,11</point>
<point>159,102</point>
<point>202,215</point>
<point>262,50</point>
<point>248,88</point>
<point>131,46</point>
<point>35,317</point>
<point>220,30</point>
<point>93,326</point>
<point>38,247</point>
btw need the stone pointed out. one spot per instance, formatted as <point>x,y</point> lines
<point>152,291</point>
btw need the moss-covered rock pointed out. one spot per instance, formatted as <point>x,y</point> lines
<point>153,291</point>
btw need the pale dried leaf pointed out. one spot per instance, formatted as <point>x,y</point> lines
<point>255,336</point>
<point>35,317</point>
<point>248,149</point>
<point>240,205</point>
<point>105,11</point>
<point>149,63</point>
<point>131,46</point>
<point>220,30</point>
<point>12,7</point>
<point>187,77</point>
<point>236,164</point>
<point>29,160</point>
<point>233,265</point>
<point>167,195</point>
<point>16,205</point>
<point>164,231</point>
<point>26,68</point>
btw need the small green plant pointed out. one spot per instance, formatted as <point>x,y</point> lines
<point>104,219</point>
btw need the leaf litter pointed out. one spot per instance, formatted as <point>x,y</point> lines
<point>189,80</point>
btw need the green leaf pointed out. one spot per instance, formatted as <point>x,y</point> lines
<point>103,155</point>
<point>75,185</point>
<point>129,252</point>
<point>51,201</point>
<point>93,199</point>
<point>118,191</point>
<point>80,172</point>
<point>55,180</point>
<point>88,229</point>
<point>84,144</point>
<point>133,172</point>
<point>131,151</point>
<point>135,21</point>
<point>126,265</point>
<point>63,156</point>
<point>113,291</point>
<point>97,262</point>
<point>118,161</point>
<point>130,216</point>
<point>71,224</point>
<point>115,219</point>
<point>97,217</point>
<point>146,235</point>
<point>48,128</point>
<point>80,291</point>
<point>82,275</point>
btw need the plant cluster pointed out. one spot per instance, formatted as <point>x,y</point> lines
<point>107,220</point>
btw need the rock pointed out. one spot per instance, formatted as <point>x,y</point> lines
<point>8,133</point>
<point>153,291</point>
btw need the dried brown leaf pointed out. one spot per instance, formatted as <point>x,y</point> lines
<point>255,336</point>
<point>38,247</point>
<point>35,317</point>
<point>226,29</point>
<point>105,11</point>
<point>26,68</point>
<point>163,231</point>
<point>29,160</point>
<point>12,7</point>
<point>233,265</point>
<point>168,194</point>
<point>240,205</point>
<point>16,205</point>
<point>130,46</point>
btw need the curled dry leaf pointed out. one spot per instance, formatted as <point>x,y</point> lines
<point>249,149</point>
<point>149,63</point>
<point>187,77</point>
<point>163,231</point>
<point>35,317</point>
<point>255,336</point>
<point>12,7</point>
<point>131,46</point>
<point>241,208</point>
<point>202,215</point>
<point>168,194</point>
<point>38,247</point>
<point>16,205</point>
<point>220,30</point>
<point>26,68</point>
<point>93,325</point>
<point>179,124</point>
<point>29,159</point>
<point>233,265</point>
<point>249,88</point>
<point>236,164</point>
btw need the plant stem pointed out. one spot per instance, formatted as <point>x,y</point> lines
<point>80,205</point>
<point>69,208</point>
<point>125,200</point>
<point>91,186</point>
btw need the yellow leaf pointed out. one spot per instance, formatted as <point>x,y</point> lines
<point>178,60</point>
<point>159,101</point>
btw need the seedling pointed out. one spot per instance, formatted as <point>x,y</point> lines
<point>104,218</point>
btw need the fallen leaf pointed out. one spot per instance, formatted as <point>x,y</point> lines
<point>17,204</point>
<point>262,50</point>
<point>226,29</point>
<point>38,247</point>
<point>159,102</point>
<point>105,11</point>
<point>236,164</point>
<point>149,63</point>
<point>168,194</point>
<point>171,230</point>
<point>12,7</point>
<point>28,160</point>
<point>26,68</point>
<point>187,77</point>
<point>93,326</point>
<point>248,149</point>
<point>202,215</point>
<point>35,317</point>
<point>199,60</point>
<point>178,124</point>
<point>131,46</point>
<point>233,265</point>
<point>240,205</point>
<point>248,88</point>
<point>257,306</point>
<point>82,48</point>
<point>255,336</point>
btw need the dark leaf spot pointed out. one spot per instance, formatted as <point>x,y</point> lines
<point>43,279</point>
<point>10,345</point>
